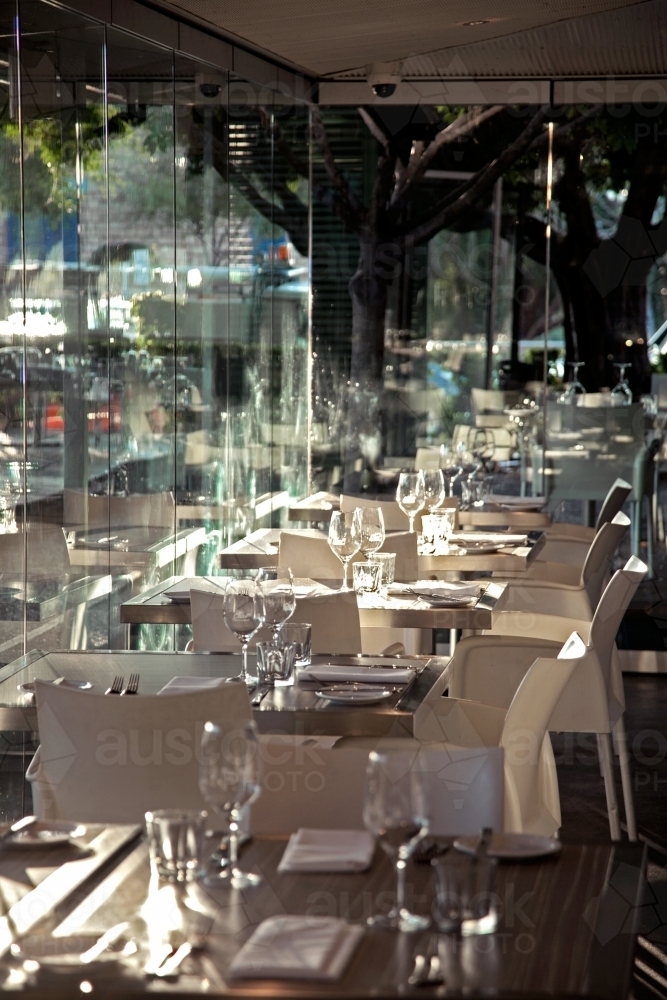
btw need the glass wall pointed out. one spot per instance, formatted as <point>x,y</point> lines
<point>154,322</point>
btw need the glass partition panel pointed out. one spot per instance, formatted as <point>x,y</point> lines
<point>64,171</point>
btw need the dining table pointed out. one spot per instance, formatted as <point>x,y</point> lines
<point>260,548</point>
<point>133,548</point>
<point>381,610</point>
<point>567,928</point>
<point>296,709</point>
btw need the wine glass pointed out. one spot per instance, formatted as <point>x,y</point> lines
<point>230,777</point>
<point>395,812</point>
<point>621,393</point>
<point>434,488</point>
<point>410,494</point>
<point>277,587</point>
<point>574,387</point>
<point>344,541</point>
<point>370,526</point>
<point>243,612</point>
<point>450,467</point>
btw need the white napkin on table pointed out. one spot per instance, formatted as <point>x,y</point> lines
<point>328,851</point>
<point>434,588</point>
<point>345,672</point>
<point>518,503</point>
<point>287,947</point>
<point>182,685</point>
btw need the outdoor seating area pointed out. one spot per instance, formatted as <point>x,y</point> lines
<point>333,444</point>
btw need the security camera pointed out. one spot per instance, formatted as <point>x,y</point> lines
<point>383,78</point>
<point>209,90</point>
<point>208,86</point>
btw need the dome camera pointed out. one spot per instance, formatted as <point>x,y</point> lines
<point>383,78</point>
<point>209,90</point>
<point>208,85</point>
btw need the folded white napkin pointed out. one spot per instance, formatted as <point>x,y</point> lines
<point>287,947</point>
<point>488,537</point>
<point>345,672</point>
<point>328,851</point>
<point>181,685</point>
<point>518,503</point>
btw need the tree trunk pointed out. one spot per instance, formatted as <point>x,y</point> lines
<point>363,437</point>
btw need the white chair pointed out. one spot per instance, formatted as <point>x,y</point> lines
<point>492,667</point>
<point>334,619</point>
<point>108,760</point>
<point>137,510</point>
<point>568,543</point>
<point>312,783</point>
<point>309,783</point>
<point>529,600</point>
<point>45,547</point>
<point>394,518</point>
<point>309,555</point>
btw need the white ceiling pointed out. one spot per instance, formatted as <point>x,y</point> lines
<point>339,38</point>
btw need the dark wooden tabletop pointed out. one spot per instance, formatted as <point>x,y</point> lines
<point>567,929</point>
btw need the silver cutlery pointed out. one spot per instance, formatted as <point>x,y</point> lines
<point>21,824</point>
<point>171,964</point>
<point>259,695</point>
<point>103,942</point>
<point>132,686</point>
<point>427,970</point>
<point>116,686</point>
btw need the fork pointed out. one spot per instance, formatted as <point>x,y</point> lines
<point>117,685</point>
<point>132,685</point>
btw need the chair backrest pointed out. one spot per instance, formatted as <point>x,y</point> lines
<point>492,400</point>
<point>610,610</point>
<point>310,555</point>
<point>138,510</point>
<point>394,518</point>
<point>315,785</point>
<point>619,491</point>
<point>108,760</point>
<point>46,551</point>
<point>602,548</point>
<point>531,786</point>
<point>334,618</point>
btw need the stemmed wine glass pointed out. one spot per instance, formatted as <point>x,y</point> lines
<point>277,587</point>
<point>370,526</point>
<point>344,542</point>
<point>395,812</point>
<point>574,387</point>
<point>622,393</point>
<point>450,467</point>
<point>434,489</point>
<point>410,495</point>
<point>230,777</point>
<point>244,614</point>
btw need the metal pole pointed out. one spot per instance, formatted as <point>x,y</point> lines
<point>547,296</point>
<point>497,210</point>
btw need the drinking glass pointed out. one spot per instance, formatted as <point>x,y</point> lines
<point>410,495</point>
<point>395,812</point>
<point>301,636</point>
<point>465,903</point>
<point>434,488</point>
<point>387,561</point>
<point>175,838</point>
<point>275,663</point>
<point>621,394</point>
<point>370,525</point>
<point>243,611</point>
<point>367,577</point>
<point>230,778</point>
<point>344,541</point>
<point>279,600</point>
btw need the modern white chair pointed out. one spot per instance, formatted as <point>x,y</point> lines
<point>334,619</point>
<point>394,518</point>
<point>137,510</point>
<point>108,760</point>
<point>493,667</point>
<point>309,783</point>
<point>569,543</point>
<point>315,784</point>
<point>529,601</point>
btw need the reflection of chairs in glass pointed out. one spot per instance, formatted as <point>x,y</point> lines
<point>644,487</point>
<point>138,510</point>
<point>487,401</point>
<point>334,619</point>
<point>78,782</point>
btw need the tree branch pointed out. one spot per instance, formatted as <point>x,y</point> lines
<point>374,129</point>
<point>463,125</point>
<point>467,193</point>
<point>285,149</point>
<point>349,209</point>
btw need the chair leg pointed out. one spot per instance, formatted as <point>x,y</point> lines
<point>626,779</point>
<point>650,535</point>
<point>635,526</point>
<point>604,749</point>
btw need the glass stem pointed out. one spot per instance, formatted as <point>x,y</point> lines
<point>233,844</point>
<point>400,884</point>
<point>244,647</point>
<point>412,522</point>
<point>346,563</point>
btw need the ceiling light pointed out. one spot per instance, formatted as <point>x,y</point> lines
<point>473,24</point>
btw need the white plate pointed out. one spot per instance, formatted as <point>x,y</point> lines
<point>46,833</point>
<point>350,694</point>
<point>477,548</point>
<point>511,846</point>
